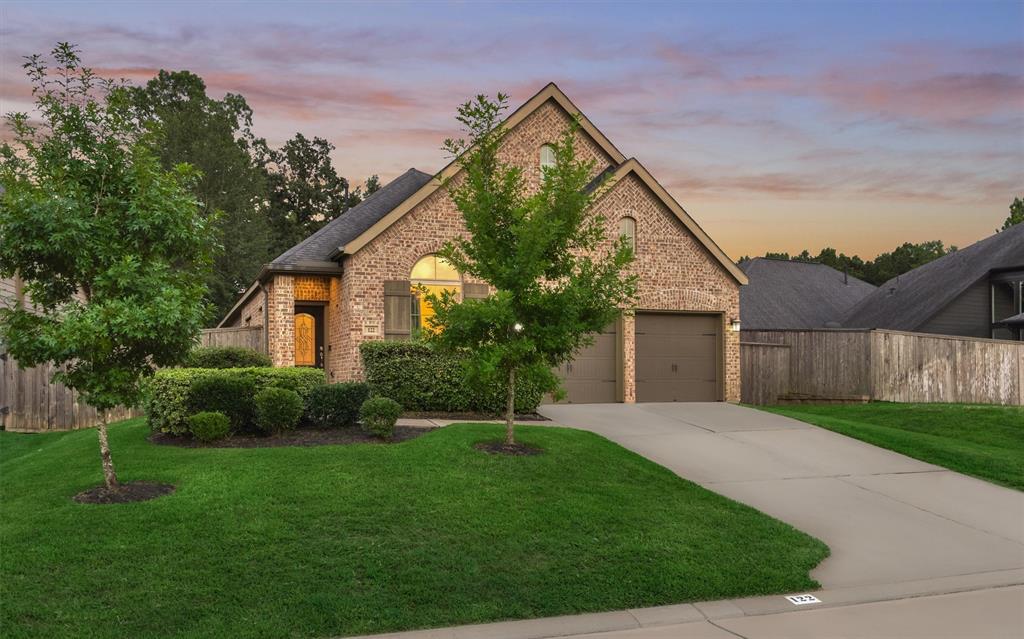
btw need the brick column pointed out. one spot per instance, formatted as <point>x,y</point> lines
<point>281,319</point>
<point>629,358</point>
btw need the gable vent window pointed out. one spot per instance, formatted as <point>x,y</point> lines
<point>547,157</point>
<point>627,229</point>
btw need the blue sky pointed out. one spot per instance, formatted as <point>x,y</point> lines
<point>779,126</point>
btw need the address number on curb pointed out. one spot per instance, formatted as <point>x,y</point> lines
<point>801,600</point>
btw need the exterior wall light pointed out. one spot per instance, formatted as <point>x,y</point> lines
<point>735,325</point>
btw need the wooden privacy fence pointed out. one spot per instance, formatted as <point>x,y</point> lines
<point>882,365</point>
<point>29,402</point>
<point>245,336</point>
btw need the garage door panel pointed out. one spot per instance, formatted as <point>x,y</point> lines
<point>677,357</point>
<point>592,376</point>
<point>676,345</point>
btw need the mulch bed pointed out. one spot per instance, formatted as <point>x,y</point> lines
<point>298,437</point>
<point>501,448</point>
<point>125,493</point>
<point>524,417</point>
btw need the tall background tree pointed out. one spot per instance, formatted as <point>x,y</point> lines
<point>305,190</point>
<point>112,247</point>
<point>216,137</point>
<point>555,288</point>
<point>1016,215</point>
<point>884,267</point>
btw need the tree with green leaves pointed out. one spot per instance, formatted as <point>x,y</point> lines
<point>305,189</point>
<point>557,280</point>
<point>216,137</point>
<point>1016,215</point>
<point>111,246</point>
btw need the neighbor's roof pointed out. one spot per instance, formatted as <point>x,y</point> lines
<point>1016,320</point>
<point>908,301</point>
<point>794,295</point>
<point>320,246</point>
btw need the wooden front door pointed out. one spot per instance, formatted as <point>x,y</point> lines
<point>309,336</point>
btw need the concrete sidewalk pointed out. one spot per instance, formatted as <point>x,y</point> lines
<point>993,613</point>
<point>887,518</point>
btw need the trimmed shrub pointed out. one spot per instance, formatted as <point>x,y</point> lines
<point>169,397</point>
<point>226,357</point>
<point>223,392</point>
<point>421,378</point>
<point>336,405</point>
<point>209,426</point>
<point>277,409</point>
<point>379,415</point>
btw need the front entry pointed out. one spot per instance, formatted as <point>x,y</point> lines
<point>309,336</point>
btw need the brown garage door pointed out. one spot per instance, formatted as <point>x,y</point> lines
<point>592,376</point>
<point>677,357</point>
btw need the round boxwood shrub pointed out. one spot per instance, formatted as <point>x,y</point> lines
<point>225,357</point>
<point>277,409</point>
<point>209,426</point>
<point>379,415</point>
<point>336,405</point>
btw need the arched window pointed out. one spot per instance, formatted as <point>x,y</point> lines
<point>435,274</point>
<point>547,157</point>
<point>627,229</point>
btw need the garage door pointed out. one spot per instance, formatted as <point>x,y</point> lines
<point>591,377</point>
<point>677,357</point>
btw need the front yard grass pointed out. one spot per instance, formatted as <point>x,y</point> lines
<point>979,440</point>
<point>335,540</point>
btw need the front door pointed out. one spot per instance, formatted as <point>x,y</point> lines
<point>309,336</point>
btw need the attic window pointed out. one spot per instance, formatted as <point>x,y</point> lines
<point>547,157</point>
<point>627,229</point>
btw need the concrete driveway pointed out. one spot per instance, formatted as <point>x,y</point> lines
<point>887,518</point>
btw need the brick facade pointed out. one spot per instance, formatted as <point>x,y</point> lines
<point>676,272</point>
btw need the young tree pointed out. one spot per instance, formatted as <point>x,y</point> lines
<point>555,286</point>
<point>111,246</point>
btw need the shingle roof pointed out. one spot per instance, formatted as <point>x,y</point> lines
<point>1016,320</point>
<point>319,246</point>
<point>786,294</point>
<point>909,300</point>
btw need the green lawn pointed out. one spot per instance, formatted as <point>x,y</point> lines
<point>334,540</point>
<point>984,441</point>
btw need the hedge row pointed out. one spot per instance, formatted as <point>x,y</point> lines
<point>173,394</point>
<point>421,378</point>
<point>226,357</point>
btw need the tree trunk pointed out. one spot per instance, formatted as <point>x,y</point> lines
<point>109,476</point>
<point>510,409</point>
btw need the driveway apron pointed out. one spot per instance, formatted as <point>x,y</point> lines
<point>887,518</point>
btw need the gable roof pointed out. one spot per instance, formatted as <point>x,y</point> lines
<point>343,229</point>
<point>909,300</point>
<point>795,295</point>
<point>314,254</point>
<point>619,169</point>
<point>632,166</point>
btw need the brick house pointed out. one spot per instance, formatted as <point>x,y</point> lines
<point>353,280</point>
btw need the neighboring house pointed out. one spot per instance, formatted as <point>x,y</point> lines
<point>354,280</point>
<point>785,294</point>
<point>973,292</point>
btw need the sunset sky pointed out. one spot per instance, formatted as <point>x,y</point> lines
<point>778,126</point>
